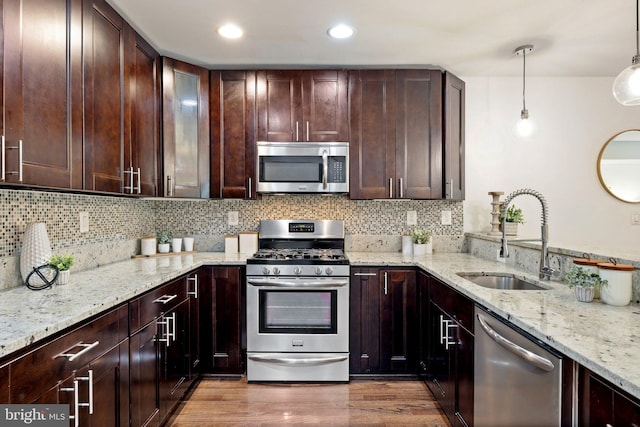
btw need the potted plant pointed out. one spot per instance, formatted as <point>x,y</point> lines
<point>584,283</point>
<point>513,217</point>
<point>421,238</point>
<point>164,241</point>
<point>63,263</point>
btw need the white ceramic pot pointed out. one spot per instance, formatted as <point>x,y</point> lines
<point>148,246</point>
<point>584,294</point>
<point>618,289</point>
<point>188,244</point>
<point>176,244</point>
<point>63,277</point>
<point>419,249</point>
<point>163,248</point>
<point>511,228</point>
<point>407,245</point>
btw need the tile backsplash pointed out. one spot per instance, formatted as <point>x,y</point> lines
<point>116,223</point>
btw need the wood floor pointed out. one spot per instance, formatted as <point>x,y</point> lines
<point>234,402</point>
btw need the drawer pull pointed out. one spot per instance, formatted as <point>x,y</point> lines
<point>365,274</point>
<point>71,356</point>
<point>193,279</point>
<point>76,416</point>
<point>165,299</point>
<point>89,379</point>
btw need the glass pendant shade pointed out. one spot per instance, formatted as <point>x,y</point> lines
<point>626,87</point>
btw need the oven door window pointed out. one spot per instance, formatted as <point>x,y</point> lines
<point>290,169</point>
<point>298,311</point>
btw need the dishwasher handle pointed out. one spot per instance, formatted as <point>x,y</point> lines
<point>534,359</point>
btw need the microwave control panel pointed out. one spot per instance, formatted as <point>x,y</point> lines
<point>337,169</point>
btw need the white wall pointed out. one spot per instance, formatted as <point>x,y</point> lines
<point>574,118</point>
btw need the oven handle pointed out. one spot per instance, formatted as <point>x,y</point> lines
<point>291,361</point>
<point>294,284</point>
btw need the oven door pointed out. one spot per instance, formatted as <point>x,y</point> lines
<point>297,314</point>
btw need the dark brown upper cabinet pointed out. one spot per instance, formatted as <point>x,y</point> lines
<point>300,106</point>
<point>42,98</point>
<point>142,157</point>
<point>185,89</point>
<point>454,120</point>
<point>233,136</point>
<point>106,103</point>
<point>397,134</point>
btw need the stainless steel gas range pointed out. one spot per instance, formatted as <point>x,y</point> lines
<point>298,303</point>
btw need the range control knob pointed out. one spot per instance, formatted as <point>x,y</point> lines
<point>329,271</point>
<point>297,271</point>
<point>276,270</point>
<point>318,271</point>
<point>265,271</point>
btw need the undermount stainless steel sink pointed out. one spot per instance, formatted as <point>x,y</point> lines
<point>504,281</point>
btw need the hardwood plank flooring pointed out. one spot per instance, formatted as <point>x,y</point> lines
<point>234,402</point>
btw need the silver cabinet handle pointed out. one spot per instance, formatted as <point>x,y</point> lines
<point>386,283</point>
<point>89,379</point>
<point>365,274</point>
<point>4,160</point>
<point>169,187</point>
<point>534,359</point>
<point>139,187</point>
<point>249,189</point>
<point>442,329</point>
<point>76,405</point>
<point>401,188</point>
<point>297,138</point>
<point>391,188</point>
<point>325,168</point>
<point>449,340</point>
<point>449,195</point>
<point>307,130</point>
<point>193,279</point>
<point>165,299</point>
<point>129,187</point>
<point>14,147</point>
<point>169,322</point>
<point>71,356</point>
<point>20,160</point>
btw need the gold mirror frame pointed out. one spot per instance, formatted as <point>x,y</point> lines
<point>619,166</point>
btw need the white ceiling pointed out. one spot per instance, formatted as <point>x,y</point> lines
<point>467,37</point>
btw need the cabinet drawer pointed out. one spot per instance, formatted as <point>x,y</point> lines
<point>41,368</point>
<point>454,303</point>
<point>144,309</point>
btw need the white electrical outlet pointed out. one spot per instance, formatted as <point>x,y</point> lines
<point>412,218</point>
<point>445,217</point>
<point>232,218</point>
<point>84,222</point>
<point>499,258</point>
<point>635,218</point>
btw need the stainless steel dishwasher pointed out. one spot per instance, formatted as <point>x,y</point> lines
<point>517,382</point>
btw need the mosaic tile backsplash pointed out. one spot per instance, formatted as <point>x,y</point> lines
<point>117,223</point>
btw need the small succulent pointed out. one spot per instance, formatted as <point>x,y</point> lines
<point>62,262</point>
<point>421,236</point>
<point>578,276</point>
<point>163,237</point>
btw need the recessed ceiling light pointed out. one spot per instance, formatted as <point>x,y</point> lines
<point>230,31</point>
<point>340,31</point>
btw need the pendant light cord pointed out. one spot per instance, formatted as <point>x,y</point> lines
<point>637,57</point>
<point>524,67</point>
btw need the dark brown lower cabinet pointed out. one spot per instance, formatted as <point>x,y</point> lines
<point>224,342</point>
<point>383,336</point>
<point>603,404</point>
<point>145,404</point>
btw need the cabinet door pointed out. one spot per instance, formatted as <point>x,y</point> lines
<point>195,282</point>
<point>464,377</point>
<point>233,138</point>
<point>419,134</point>
<point>227,293</point>
<point>373,133</point>
<point>144,377</point>
<point>106,131</point>
<point>454,106</point>
<point>422,284</point>
<point>42,100</point>
<point>185,109</point>
<point>398,321</point>
<point>324,106</point>
<point>141,177</point>
<point>441,360</point>
<point>279,101</point>
<point>602,404</point>
<point>364,321</point>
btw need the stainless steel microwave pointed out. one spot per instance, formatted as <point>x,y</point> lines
<point>303,167</point>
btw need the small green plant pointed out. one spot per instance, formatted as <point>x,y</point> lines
<point>163,237</point>
<point>514,214</point>
<point>62,262</point>
<point>578,276</point>
<point>421,236</point>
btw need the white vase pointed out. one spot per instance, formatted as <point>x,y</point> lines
<point>188,244</point>
<point>584,294</point>
<point>163,248</point>
<point>63,277</point>
<point>176,244</point>
<point>36,248</point>
<point>148,246</point>
<point>511,228</point>
<point>419,249</point>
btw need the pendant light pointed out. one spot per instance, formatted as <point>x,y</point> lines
<point>626,87</point>
<point>524,126</point>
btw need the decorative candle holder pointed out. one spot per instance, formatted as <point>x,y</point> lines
<point>495,213</point>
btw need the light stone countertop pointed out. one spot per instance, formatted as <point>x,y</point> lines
<point>603,338</point>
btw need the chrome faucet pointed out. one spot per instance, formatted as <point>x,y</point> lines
<point>545,269</point>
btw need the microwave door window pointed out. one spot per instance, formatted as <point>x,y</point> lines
<point>291,169</point>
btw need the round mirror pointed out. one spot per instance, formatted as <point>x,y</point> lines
<point>619,166</point>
